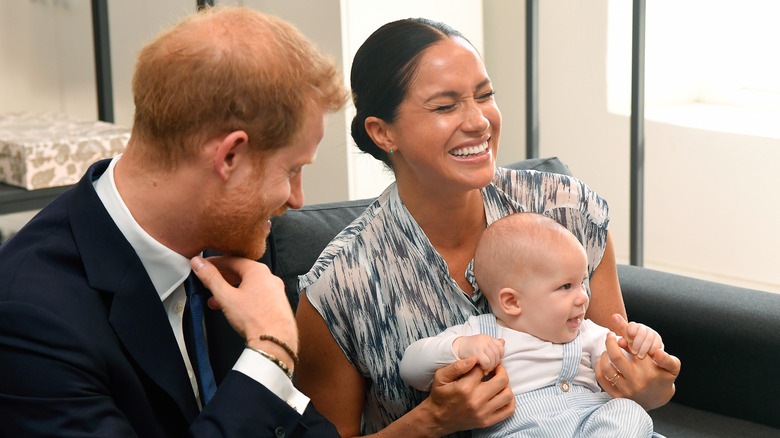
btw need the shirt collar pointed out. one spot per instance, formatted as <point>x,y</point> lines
<point>166,268</point>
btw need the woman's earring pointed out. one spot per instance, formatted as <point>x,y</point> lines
<point>391,151</point>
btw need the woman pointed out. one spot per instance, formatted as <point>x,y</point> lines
<point>402,270</point>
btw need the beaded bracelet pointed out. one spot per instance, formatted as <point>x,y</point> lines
<point>282,344</point>
<point>275,360</point>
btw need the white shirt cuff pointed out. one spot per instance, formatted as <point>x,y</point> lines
<point>272,377</point>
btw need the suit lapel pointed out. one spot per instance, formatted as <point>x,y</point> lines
<point>141,324</point>
<point>136,313</point>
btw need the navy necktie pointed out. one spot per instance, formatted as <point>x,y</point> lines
<point>205,374</point>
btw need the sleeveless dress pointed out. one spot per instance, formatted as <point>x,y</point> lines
<point>380,285</point>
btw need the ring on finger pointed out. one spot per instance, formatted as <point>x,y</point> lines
<point>613,379</point>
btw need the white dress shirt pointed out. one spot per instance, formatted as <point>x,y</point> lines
<point>168,269</point>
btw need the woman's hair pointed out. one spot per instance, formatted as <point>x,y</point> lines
<point>228,69</point>
<point>382,70</point>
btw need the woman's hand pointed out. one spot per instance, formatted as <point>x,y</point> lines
<point>648,381</point>
<point>460,400</point>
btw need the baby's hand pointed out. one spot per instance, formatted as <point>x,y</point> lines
<point>639,339</point>
<point>486,349</point>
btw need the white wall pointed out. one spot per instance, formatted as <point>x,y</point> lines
<point>44,66</point>
<point>504,56</point>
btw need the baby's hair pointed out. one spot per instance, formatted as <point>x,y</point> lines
<point>510,244</point>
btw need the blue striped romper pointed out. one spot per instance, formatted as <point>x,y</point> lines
<point>565,409</point>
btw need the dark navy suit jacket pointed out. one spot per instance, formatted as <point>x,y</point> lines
<point>86,348</point>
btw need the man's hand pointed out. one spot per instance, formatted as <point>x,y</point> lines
<point>256,306</point>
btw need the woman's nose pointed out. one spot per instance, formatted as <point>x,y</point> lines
<point>475,119</point>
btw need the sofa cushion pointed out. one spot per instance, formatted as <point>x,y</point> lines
<point>675,420</point>
<point>299,236</point>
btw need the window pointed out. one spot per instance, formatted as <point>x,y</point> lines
<point>708,64</point>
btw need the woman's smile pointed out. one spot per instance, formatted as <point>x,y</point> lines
<point>469,151</point>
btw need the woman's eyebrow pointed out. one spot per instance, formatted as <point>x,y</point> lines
<point>452,94</point>
<point>455,94</point>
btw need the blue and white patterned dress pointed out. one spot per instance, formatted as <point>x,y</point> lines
<point>380,285</point>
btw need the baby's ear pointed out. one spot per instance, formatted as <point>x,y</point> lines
<point>509,300</point>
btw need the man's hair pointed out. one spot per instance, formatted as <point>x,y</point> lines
<point>226,69</point>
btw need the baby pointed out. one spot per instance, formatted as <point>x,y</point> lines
<point>534,274</point>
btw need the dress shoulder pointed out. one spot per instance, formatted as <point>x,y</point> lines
<point>343,246</point>
<point>542,192</point>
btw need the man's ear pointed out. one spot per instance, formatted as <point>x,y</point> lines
<point>509,300</point>
<point>231,150</point>
<point>377,129</point>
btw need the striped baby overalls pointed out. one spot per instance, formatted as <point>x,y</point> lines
<point>565,409</point>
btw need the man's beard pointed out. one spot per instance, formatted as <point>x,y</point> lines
<point>238,227</point>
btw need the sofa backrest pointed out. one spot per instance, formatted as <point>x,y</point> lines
<point>299,236</point>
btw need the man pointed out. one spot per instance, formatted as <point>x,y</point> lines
<point>96,335</point>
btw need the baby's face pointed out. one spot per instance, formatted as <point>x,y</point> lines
<point>554,298</point>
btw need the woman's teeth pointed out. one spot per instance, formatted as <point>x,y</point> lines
<point>472,150</point>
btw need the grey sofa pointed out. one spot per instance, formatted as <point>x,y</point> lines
<point>727,338</point>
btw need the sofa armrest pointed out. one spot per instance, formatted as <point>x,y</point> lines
<point>728,339</point>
